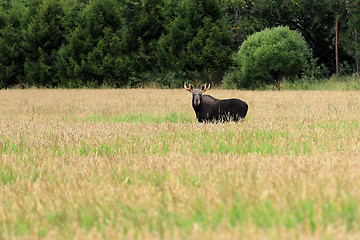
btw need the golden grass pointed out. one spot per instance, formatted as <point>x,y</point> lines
<point>290,171</point>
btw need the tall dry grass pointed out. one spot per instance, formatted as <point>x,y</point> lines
<point>84,164</point>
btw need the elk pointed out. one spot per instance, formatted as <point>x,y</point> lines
<point>210,109</point>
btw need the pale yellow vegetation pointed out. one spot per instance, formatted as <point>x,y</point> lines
<point>290,171</point>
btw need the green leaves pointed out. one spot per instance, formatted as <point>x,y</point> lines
<point>268,56</point>
<point>130,43</point>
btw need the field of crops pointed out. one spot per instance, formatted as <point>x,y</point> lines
<point>135,164</point>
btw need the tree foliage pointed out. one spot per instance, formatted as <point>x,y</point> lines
<point>11,51</point>
<point>123,43</point>
<point>42,36</point>
<point>94,54</point>
<point>196,39</point>
<point>268,56</point>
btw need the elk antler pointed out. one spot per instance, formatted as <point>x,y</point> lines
<point>188,88</point>
<point>205,88</point>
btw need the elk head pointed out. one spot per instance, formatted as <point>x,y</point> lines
<point>197,93</point>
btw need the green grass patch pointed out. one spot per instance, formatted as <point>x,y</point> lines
<point>173,117</point>
<point>264,214</point>
<point>241,139</point>
<point>8,175</point>
<point>346,83</point>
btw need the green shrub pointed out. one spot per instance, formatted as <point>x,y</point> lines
<point>268,56</point>
<point>313,71</point>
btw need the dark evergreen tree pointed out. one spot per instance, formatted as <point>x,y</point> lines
<point>95,53</point>
<point>11,51</point>
<point>124,42</point>
<point>42,37</point>
<point>147,28</point>
<point>196,40</point>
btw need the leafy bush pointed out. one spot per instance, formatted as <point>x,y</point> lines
<point>267,57</point>
<point>313,71</point>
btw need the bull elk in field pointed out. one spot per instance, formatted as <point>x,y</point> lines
<point>210,109</point>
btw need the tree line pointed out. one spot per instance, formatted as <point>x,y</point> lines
<point>125,43</point>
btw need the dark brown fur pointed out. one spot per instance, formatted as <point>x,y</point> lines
<point>208,108</point>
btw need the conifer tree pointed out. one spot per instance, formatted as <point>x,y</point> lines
<point>42,37</point>
<point>95,52</point>
<point>196,39</point>
<point>11,52</point>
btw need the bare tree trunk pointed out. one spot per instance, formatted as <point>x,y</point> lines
<point>356,53</point>
<point>336,47</point>
<point>237,12</point>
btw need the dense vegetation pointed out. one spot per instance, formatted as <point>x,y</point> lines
<point>124,43</point>
<point>268,56</point>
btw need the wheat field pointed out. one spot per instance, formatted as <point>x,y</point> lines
<point>135,164</point>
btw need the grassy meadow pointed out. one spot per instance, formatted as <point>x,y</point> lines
<point>135,164</point>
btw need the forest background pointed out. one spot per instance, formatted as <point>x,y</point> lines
<point>135,43</point>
